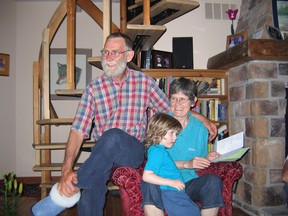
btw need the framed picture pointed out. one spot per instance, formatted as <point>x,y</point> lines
<point>161,59</point>
<point>274,33</point>
<point>280,15</point>
<point>235,39</point>
<point>58,70</point>
<point>4,64</point>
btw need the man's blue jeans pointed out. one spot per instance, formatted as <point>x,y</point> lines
<point>114,148</point>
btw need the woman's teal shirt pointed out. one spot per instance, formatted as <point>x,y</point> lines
<point>191,142</point>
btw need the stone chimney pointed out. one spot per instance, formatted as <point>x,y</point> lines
<point>254,16</point>
<point>257,78</point>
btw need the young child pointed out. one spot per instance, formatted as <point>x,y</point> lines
<point>160,168</point>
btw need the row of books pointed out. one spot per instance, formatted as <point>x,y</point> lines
<point>222,133</point>
<point>213,109</point>
<point>215,86</point>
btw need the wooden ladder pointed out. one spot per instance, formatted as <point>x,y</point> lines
<point>138,28</point>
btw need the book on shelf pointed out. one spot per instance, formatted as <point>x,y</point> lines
<point>212,109</point>
<point>231,148</point>
<point>145,57</point>
<point>212,88</point>
<point>164,83</point>
<point>222,111</point>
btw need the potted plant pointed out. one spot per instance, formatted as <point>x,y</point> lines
<point>11,192</point>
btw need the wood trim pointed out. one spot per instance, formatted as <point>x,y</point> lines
<point>46,73</point>
<point>57,19</point>
<point>252,49</point>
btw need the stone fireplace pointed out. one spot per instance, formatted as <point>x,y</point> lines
<point>258,76</point>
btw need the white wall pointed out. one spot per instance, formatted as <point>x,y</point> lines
<point>24,22</point>
<point>8,111</point>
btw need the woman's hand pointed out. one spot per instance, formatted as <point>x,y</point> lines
<point>212,155</point>
<point>197,163</point>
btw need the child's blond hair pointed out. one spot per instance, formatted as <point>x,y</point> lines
<point>158,127</point>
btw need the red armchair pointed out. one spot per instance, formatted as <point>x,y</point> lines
<point>129,180</point>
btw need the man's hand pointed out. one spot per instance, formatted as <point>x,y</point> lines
<point>65,186</point>
<point>211,126</point>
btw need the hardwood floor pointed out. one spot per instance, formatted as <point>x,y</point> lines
<point>26,203</point>
<point>113,207</point>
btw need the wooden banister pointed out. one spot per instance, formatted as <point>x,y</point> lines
<point>70,57</point>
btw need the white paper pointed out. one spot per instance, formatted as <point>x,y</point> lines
<point>230,143</point>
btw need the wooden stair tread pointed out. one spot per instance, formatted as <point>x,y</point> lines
<point>69,92</point>
<point>54,146</point>
<point>55,121</point>
<point>150,34</point>
<point>179,7</point>
<point>52,167</point>
<point>96,61</point>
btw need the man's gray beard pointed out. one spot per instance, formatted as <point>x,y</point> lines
<point>121,66</point>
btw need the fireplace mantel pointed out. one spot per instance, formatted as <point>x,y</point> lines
<point>252,49</point>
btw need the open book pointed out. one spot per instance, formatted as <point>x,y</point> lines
<point>231,148</point>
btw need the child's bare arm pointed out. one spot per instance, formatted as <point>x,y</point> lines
<point>150,177</point>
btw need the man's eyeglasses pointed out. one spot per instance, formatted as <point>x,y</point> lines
<point>113,53</point>
<point>182,101</point>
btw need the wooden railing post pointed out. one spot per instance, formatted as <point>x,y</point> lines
<point>146,12</point>
<point>106,19</point>
<point>71,19</point>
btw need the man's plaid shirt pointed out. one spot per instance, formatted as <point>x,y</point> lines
<point>122,106</point>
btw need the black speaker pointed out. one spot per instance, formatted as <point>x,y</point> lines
<point>182,52</point>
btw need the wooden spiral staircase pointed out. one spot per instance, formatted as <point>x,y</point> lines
<point>144,34</point>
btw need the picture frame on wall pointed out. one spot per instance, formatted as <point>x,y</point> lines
<point>161,59</point>
<point>58,70</point>
<point>280,16</point>
<point>235,39</point>
<point>274,33</point>
<point>4,64</point>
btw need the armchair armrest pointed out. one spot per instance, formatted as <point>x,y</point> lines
<point>225,170</point>
<point>129,180</point>
<point>229,172</point>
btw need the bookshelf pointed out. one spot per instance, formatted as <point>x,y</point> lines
<point>202,75</point>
